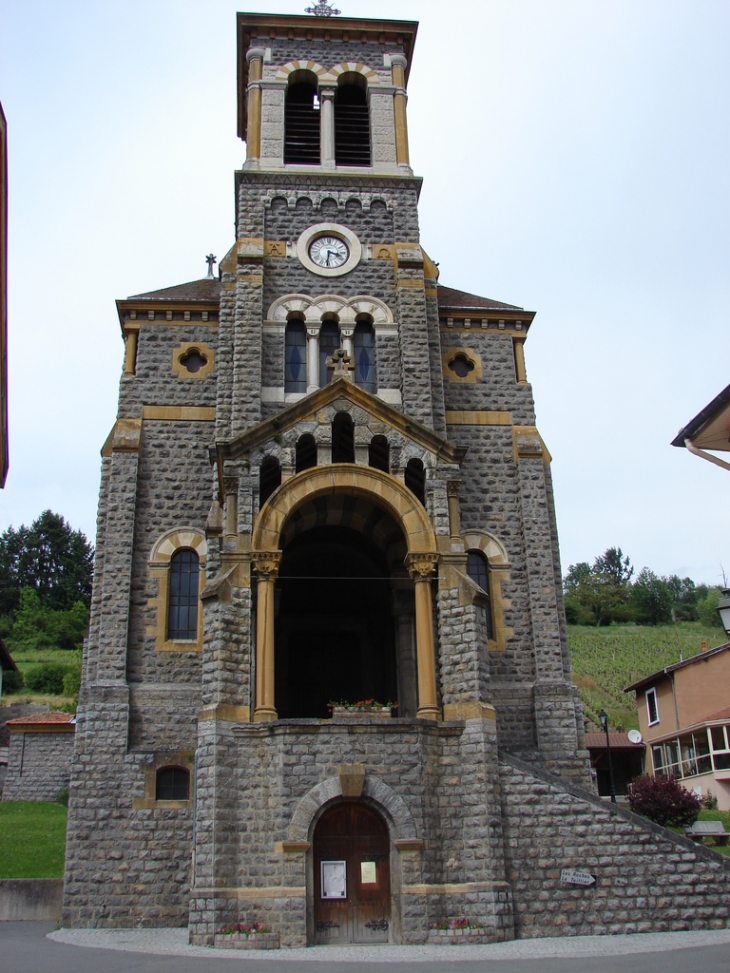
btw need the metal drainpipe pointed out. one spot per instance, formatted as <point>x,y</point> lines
<point>674,697</point>
<point>708,456</point>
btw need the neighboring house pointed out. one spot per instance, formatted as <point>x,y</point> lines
<point>627,761</point>
<point>6,665</point>
<point>41,750</point>
<point>710,429</point>
<point>684,716</point>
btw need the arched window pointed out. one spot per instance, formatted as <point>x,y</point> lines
<point>306,452</point>
<point>182,615</point>
<point>352,123</point>
<point>329,342</point>
<point>172,784</point>
<point>295,357</point>
<point>301,124</point>
<point>477,567</point>
<point>365,374</point>
<point>343,439</point>
<point>379,454</point>
<point>415,479</point>
<point>269,478</point>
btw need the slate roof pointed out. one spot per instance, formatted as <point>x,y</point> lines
<point>451,298</point>
<point>205,289</point>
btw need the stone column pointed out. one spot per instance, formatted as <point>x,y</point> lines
<point>255,58</point>
<point>327,127</point>
<point>230,486</point>
<point>312,358</point>
<point>267,569</point>
<point>421,568</point>
<point>130,351</point>
<point>519,349</point>
<point>452,492</point>
<point>346,333</point>
<point>400,99</point>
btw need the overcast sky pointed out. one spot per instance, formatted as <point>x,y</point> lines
<point>575,162</point>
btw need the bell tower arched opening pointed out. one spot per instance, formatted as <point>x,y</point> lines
<point>344,610</point>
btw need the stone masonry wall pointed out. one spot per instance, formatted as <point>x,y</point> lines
<point>39,766</point>
<point>648,879</point>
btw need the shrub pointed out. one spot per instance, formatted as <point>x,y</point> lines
<point>12,681</point>
<point>709,801</point>
<point>664,801</point>
<point>46,678</point>
<point>72,681</point>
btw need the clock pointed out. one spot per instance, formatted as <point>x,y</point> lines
<point>328,251</point>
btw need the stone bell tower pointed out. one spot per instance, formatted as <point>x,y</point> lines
<point>325,488</point>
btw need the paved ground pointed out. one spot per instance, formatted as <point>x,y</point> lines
<point>31,947</point>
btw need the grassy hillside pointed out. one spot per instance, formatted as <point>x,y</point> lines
<point>606,660</point>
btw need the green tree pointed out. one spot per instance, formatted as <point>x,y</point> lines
<point>684,598</point>
<point>652,599</point>
<point>39,627</point>
<point>615,566</point>
<point>50,557</point>
<point>707,609</point>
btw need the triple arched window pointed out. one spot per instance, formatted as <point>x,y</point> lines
<point>305,366</point>
<point>344,126</point>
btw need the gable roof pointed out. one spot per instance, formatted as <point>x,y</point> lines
<point>205,289</point>
<point>619,741</point>
<point>449,297</point>
<point>710,428</point>
<point>700,657</point>
<point>339,389</point>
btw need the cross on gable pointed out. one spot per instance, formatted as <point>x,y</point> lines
<point>342,365</point>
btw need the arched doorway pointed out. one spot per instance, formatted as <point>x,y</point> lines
<point>343,630</point>
<point>351,850</point>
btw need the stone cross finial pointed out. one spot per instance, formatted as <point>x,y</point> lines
<point>342,366</point>
<point>210,260</point>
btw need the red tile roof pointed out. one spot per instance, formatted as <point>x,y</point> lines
<point>722,714</point>
<point>619,741</point>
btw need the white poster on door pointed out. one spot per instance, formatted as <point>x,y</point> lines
<point>334,881</point>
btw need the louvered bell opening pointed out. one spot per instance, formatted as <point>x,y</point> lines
<point>352,127</point>
<point>301,126</point>
<point>343,439</point>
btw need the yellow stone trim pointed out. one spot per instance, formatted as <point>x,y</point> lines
<point>226,712</point>
<point>250,894</point>
<point>496,554</point>
<point>431,292</point>
<point>469,711</point>
<point>290,67</point>
<point>125,437</point>
<point>529,444</point>
<point>356,67</point>
<point>292,847</point>
<point>275,248</point>
<point>149,802</point>
<point>409,282</point>
<point>159,565</point>
<point>457,417</point>
<point>251,279</point>
<point>179,413</point>
<point>472,356</point>
<point>183,349</point>
<point>408,844</point>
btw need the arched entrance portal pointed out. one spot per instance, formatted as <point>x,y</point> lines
<point>351,851</point>
<point>344,610</point>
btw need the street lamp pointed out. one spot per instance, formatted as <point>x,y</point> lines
<point>723,610</point>
<point>603,717</point>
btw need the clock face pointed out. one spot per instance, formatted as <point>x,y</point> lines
<point>328,251</point>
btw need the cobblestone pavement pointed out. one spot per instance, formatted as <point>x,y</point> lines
<point>174,942</point>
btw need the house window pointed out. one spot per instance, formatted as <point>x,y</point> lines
<point>652,708</point>
<point>173,784</point>
<point>365,374</point>
<point>720,742</point>
<point>477,567</point>
<point>295,357</point>
<point>182,616</point>
<point>352,123</point>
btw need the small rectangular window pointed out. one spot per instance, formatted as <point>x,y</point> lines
<point>651,706</point>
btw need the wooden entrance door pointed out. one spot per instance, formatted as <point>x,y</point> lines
<point>352,842</point>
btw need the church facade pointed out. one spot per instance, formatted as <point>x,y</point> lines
<point>325,488</point>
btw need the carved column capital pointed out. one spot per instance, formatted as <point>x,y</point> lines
<point>452,488</point>
<point>422,567</point>
<point>266,565</point>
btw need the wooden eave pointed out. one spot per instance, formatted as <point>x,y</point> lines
<point>260,29</point>
<point>308,406</point>
<point>143,305</point>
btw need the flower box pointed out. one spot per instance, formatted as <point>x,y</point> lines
<point>360,713</point>
<point>254,940</point>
